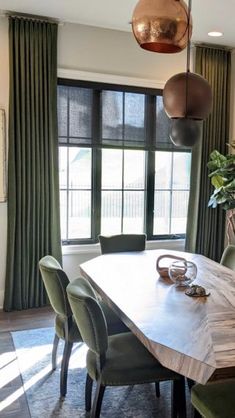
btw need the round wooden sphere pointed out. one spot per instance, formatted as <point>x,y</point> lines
<point>187,95</point>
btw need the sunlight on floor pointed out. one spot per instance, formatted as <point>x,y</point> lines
<point>32,355</point>
<point>8,368</point>
<point>29,358</point>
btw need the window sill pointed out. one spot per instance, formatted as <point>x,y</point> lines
<point>176,244</point>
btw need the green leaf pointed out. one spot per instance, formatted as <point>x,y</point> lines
<point>223,180</point>
<point>217,181</point>
<point>230,186</point>
<point>217,158</point>
<point>221,200</point>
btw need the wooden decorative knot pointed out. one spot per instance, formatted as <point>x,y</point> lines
<point>163,271</point>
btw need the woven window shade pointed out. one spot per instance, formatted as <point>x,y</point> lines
<point>113,119</point>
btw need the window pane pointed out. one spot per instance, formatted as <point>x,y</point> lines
<point>111,169</point>
<point>80,107</point>
<point>181,170</point>
<point>111,209</point>
<point>134,116</point>
<point>163,164</point>
<point>163,124</point>
<point>134,169</point>
<point>161,213</point>
<point>179,211</point>
<point>63,214</point>
<point>63,155</point>
<point>134,207</point>
<point>79,168</point>
<point>121,203</point>
<point>62,103</point>
<point>112,114</point>
<point>79,214</point>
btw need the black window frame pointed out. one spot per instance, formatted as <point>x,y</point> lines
<point>150,131</point>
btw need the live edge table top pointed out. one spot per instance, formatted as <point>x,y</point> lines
<point>192,336</point>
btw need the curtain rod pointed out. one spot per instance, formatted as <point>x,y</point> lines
<point>8,13</point>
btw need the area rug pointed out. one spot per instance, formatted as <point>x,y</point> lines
<point>41,385</point>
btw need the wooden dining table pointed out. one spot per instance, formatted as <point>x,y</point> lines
<point>192,336</point>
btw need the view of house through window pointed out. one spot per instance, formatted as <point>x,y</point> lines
<point>119,171</point>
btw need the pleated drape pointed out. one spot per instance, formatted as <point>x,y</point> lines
<point>206,226</point>
<point>33,185</point>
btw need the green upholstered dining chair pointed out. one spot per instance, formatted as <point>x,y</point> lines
<point>214,400</point>
<point>122,243</point>
<point>56,281</point>
<point>117,360</point>
<point>228,257</point>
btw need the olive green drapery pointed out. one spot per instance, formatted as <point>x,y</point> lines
<point>206,226</point>
<point>33,186</point>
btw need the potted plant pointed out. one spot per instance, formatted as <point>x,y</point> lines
<point>222,175</point>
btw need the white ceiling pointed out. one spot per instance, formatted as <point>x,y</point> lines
<point>208,15</point>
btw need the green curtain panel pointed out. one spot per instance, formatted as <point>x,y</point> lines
<point>206,226</point>
<point>33,184</point>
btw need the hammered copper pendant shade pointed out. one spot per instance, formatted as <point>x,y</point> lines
<point>161,25</point>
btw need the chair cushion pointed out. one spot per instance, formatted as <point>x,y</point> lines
<point>74,334</point>
<point>127,362</point>
<point>114,323</point>
<point>215,400</point>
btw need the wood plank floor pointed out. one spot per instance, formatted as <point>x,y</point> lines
<point>12,396</point>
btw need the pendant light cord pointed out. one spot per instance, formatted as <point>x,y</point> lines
<point>188,58</point>
<point>189,42</point>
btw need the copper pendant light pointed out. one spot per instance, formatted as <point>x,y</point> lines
<point>187,99</point>
<point>162,25</point>
<point>187,95</point>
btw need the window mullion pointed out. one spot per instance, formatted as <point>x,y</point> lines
<point>96,192</point>
<point>68,171</point>
<point>171,194</point>
<point>123,161</point>
<point>150,174</point>
<point>150,123</point>
<point>96,165</point>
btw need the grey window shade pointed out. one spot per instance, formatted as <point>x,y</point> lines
<point>123,119</point>
<point>163,127</point>
<point>99,117</point>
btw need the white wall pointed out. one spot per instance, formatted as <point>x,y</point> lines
<point>96,50</point>
<point>113,52</point>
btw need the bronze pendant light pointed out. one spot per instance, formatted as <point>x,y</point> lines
<point>162,25</point>
<point>187,99</point>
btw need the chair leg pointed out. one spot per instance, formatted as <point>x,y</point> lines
<point>64,368</point>
<point>54,351</point>
<point>96,407</point>
<point>178,406</point>
<point>157,389</point>
<point>88,392</point>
